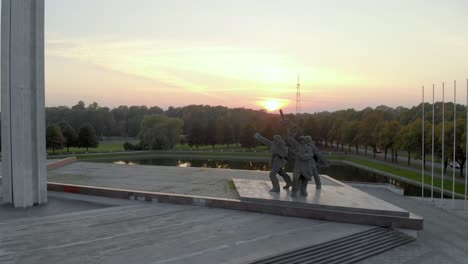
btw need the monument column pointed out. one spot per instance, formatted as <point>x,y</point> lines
<point>23,111</point>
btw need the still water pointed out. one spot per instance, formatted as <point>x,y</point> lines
<point>339,172</point>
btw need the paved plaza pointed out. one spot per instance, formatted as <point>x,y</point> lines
<point>159,233</point>
<point>444,239</point>
<point>190,181</point>
<point>75,228</point>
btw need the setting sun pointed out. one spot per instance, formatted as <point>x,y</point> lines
<point>272,104</point>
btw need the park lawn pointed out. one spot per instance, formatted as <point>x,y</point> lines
<point>104,146</point>
<point>171,153</point>
<point>117,146</point>
<point>412,175</point>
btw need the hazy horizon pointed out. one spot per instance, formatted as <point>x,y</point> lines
<point>175,53</point>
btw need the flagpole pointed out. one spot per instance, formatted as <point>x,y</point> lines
<point>466,147</point>
<point>422,148</point>
<point>454,168</point>
<point>432,162</point>
<point>443,142</point>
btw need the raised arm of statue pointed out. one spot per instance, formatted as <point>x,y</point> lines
<point>321,160</point>
<point>292,141</point>
<point>264,140</point>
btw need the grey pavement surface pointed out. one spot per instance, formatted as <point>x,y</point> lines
<point>59,203</point>
<point>164,233</point>
<point>54,206</point>
<point>191,181</point>
<point>160,233</point>
<point>443,240</point>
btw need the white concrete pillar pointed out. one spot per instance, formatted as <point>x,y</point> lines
<point>23,111</point>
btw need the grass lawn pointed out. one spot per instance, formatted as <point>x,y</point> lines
<point>104,146</point>
<point>117,146</point>
<point>412,175</point>
<point>172,153</point>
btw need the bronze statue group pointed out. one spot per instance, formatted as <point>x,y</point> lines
<point>307,158</point>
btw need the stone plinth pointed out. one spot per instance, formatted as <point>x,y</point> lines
<point>333,197</point>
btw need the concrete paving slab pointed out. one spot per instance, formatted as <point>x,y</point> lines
<point>413,222</point>
<point>54,206</point>
<point>161,233</point>
<point>457,207</point>
<point>443,240</point>
<point>338,197</point>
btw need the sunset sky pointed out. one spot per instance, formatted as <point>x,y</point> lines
<point>349,54</point>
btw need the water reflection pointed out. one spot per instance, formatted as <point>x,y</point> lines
<point>207,163</point>
<point>123,162</point>
<point>183,164</point>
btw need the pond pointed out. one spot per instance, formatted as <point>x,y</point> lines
<point>340,172</point>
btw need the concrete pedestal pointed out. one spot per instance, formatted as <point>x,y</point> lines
<point>23,111</point>
<point>334,202</point>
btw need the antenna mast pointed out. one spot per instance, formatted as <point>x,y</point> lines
<point>298,95</point>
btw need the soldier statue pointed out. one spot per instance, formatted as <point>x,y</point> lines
<point>302,172</point>
<point>318,161</point>
<point>279,152</point>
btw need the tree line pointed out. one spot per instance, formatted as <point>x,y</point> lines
<point>393,130</point>
<point>62,134</point>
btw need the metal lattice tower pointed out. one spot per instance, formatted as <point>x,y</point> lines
<point>298,95</point>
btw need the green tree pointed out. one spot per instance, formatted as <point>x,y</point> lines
<point>351,131</point>
<point>211,134</point>
<point>87,136</point>
<point>311,127</point>
<point>325,126</point>
<point>388,135</point>
<point>54,137</point>
<point>69,134</point>
<point>226,135</point>
<point>135,116</point>
<point>268,131</point>
<point>160,131</point>
<point>120,115</point>
<point>461,148</point>
<point>335,134</point>
<point>369,129</point>
<point>409,138</point>
<point>448,142</point>
<point>195,136</point>
<point>79,106</point>
<point>247,139</point>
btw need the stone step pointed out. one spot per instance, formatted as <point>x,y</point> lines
<point>361,251</point>
<point>349,249</point>
<point>376,250</point>
<point>338,248</point>
<point>324,247</point>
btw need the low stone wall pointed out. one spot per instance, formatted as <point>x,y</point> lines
<point>386,186</point>
<point>413,222</point>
